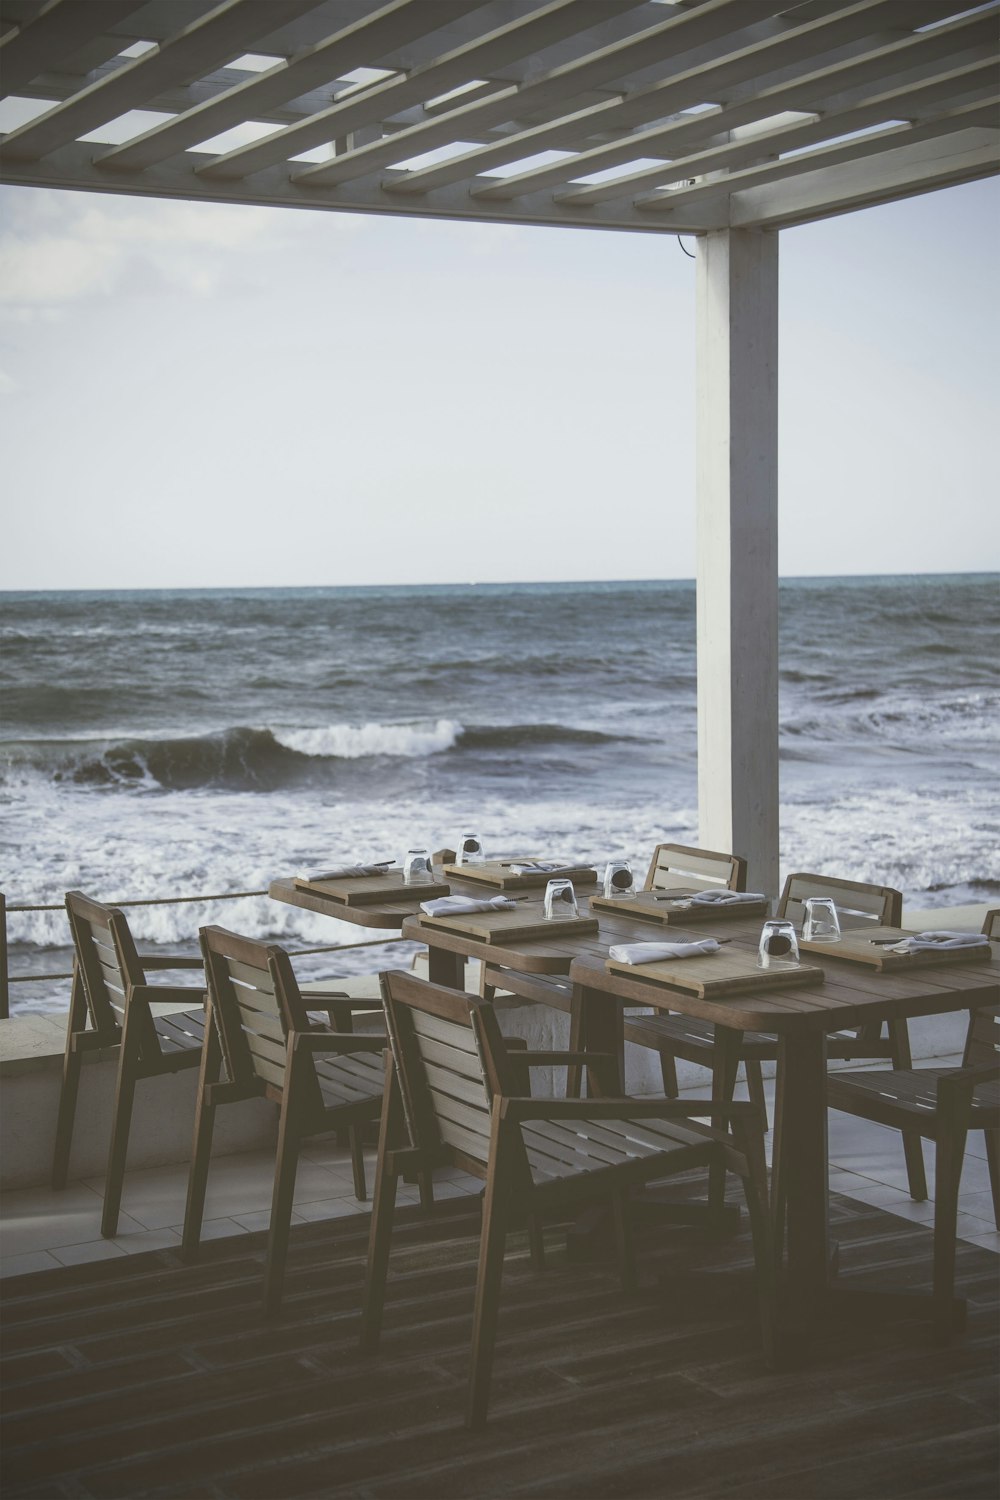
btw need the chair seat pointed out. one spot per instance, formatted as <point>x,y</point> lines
<point>911,1092</point>
<point>351,1078</point>
<point>180,1031</point>
<point>569,1148</point>
<point>682,1034</point>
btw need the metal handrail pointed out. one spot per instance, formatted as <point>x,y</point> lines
<point>7,979</point>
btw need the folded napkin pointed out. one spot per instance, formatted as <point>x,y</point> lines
<point>454,906</point>
<point>539,867</point>
<point>725,898</point>
<point>922,942</point>
<point>651,953</point>
<point>349,872</point>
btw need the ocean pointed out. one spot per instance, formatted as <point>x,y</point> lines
<point>200,741</point>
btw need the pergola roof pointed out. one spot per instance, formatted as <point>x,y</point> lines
<point>670,117</point>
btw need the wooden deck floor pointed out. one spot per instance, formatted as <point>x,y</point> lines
<point>147,1378</point>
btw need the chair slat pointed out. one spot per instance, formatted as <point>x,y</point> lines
<point>261,1022</point>
<point>464,1064</point>
<point>449,1032</point>
<point>256,979</point>
<point>471,1090</point>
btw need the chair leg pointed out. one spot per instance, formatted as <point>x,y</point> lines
<point>356,1137</point>
<point>577,1043</point>
<point>755,1086</point>
<point>128,1067</point>
<point>759,1210</point>
<point>201,1150</point>
<point>383,1207</point>
<point>286,1166</point>
<point>913,1151</point>
<point>72,1062</point>
<point>492,1242</point>
<point>668,1072</point>
<point>725,1061</point>
<point>993,1160</point>
<point>948,1156</point>
<point>777,1185</point>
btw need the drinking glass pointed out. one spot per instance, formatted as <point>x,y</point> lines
<point>470,849</point>
<point>618,878</point>
<point>821,923</point>
<point>560,901</point>
<point>779,947</point>
<point>417,867</point>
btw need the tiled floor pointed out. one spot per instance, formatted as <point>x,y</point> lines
<point>41,1229</point>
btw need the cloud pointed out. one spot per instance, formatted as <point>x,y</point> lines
<point>60,248</point>
<point>8,385</point>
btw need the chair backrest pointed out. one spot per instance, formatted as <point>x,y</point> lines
<point>109,966</point>
<point>254,1002</point>
<point>441,1075</point>
<point>857,903</point>
<point>702,869</point>
<point>991,924</point>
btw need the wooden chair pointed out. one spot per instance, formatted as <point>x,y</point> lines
<point>457,1095</point>
<point>322,1080</point>
<point>670,865</point>
<point>694,1040</point>
<point>942,1105</point>
<point>111,1007</point>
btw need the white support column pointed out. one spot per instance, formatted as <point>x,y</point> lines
<point>737,570</point>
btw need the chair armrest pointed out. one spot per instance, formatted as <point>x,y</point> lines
<point>955,1089</point>
<point>562,1059</point>
<point>334,1041</point>
<point>627,1109</point>
<point>169,961</point>
<point>167,994</point>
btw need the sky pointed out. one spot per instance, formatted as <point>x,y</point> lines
<point>200,395</point>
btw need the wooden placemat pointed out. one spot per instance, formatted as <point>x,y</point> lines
<point>510,926</point>
<point>498,874</point>
<point>856,947</point>
<point>372,890</point>
<point>665,908</point>
<point>717,974</point>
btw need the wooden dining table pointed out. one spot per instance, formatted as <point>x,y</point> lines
<point>801,1016</point>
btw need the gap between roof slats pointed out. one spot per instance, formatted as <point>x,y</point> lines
<point>53,35</point>
<point>688,87</point>
<point>361,42</point>
<point>188,53</point>
<point>518,38</point>
<point>980,114</point>
<point>714,20</point>
<point>802,89</point>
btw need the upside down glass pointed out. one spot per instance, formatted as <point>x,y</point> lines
<point>820,923</point>
<point>779,947</point>
<point>618,878</point>
<point>417,867</point>
<point>470,849</point>
<point>560,901</point>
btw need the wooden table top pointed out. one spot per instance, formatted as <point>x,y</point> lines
<point>850,994</point>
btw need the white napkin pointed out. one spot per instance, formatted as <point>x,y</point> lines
<point>651,953</point>
<point>349,872</point>
<point>725,898</point>
<point>539,867</point>
<point>922,942</point>
<point>454,906</point>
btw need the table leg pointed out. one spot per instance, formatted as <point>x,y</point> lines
<point>602,1028</point>
<point>804,1179</point>
<point>725,1062</point>
<point>445,968</point>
